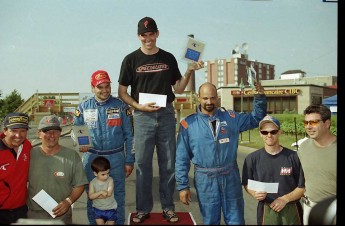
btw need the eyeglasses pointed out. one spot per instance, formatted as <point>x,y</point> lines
<point>273,132</point>
<point>312,122</point>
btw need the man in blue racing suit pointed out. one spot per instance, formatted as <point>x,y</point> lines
<point>209,138</point>
<point>109,122</point>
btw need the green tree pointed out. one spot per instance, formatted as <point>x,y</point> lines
<point>10,103</point>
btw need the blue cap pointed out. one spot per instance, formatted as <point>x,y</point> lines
<point>271,119</point>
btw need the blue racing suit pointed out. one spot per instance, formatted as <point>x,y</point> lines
<point>110,127</point>
<point>214,155</point>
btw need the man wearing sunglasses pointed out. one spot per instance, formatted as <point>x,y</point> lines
<point>275,164</point>
<point>318,155</point>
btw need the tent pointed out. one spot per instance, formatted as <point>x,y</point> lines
<point>331,103</point>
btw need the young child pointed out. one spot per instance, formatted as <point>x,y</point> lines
<point>101,190</point>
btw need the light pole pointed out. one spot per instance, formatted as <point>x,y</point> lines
<point>242,88</point>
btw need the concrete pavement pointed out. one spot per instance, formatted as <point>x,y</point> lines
<point>79,207</point>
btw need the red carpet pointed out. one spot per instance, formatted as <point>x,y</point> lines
<point>185,218</point>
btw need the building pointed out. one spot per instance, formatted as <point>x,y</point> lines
<point>281,99</point>
<point>224,72</point>
<point>291,93</point>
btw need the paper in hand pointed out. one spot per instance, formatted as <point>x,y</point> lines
<point>45,201</point>
<point>160,100</point>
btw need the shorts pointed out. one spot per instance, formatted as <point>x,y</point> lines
<point>291,214</point>
<point>106,215</point>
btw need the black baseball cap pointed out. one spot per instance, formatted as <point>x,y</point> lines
<point>147,24</point>
<point>16,120</point>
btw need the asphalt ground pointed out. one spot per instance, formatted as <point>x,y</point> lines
<point>79,207</point>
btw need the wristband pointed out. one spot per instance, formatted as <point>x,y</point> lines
<point>69,200</point>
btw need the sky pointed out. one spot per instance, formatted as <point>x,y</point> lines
<point>55,45</point>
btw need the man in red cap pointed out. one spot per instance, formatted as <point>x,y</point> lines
<point>150,69</point>
<point>14,167</point>
<point>109,122</point>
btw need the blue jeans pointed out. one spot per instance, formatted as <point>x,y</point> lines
<point>155,129</point>
<point>220,190</point>
<point>117,172</point>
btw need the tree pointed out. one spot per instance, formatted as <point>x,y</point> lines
<point>10,103</point>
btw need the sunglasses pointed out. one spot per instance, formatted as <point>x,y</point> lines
<point>312,122</point>
<point>273,132</point>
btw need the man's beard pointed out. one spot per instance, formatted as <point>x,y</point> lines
<point>208,107</point>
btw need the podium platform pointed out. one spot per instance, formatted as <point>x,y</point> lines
<point>185,218</point>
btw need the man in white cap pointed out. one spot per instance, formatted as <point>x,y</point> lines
<point>275,164</point>
<point>56,169</point>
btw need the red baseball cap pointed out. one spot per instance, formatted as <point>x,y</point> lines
<point>99,77</point>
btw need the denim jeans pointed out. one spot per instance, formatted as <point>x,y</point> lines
<point>220,190</point>
<point>117,172</point>
<point>155,129</point>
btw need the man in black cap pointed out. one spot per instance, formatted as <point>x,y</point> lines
<point>14,167</point>
<point>152,70</point>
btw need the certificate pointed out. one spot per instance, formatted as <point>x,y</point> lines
<point>262,186</point>
<point>45,201</point>
<point>160,100</point>
<point>193,51</point>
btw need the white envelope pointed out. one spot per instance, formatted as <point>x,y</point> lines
<point>160,100</point>
<point>45,201</point>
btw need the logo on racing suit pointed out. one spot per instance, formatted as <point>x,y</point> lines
<point>222,130</point>
<point>114,117</point>
<point>225,140</point>
<point>129,112</point>
<point>77,113</point>
<point>3,167</point>
<point>113,110</point>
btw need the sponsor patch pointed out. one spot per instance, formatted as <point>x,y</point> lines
<point>77,113</point>
<point>224,140</point>
<point>231,113</point>
<point>114,122</point>
<point>90,115</point>
<point>112,116</point>
<point>129,112</point>
<point>285,171</point>
<point>113,111</point>
<point>184,124</point>
<point>59,174</point>
<point>222,130</point>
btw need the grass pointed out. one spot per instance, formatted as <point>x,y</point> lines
<point>252,139</point>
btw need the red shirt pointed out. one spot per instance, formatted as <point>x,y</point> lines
<point>13,175</point>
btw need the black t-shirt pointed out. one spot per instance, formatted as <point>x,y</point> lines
<point>150,73</point>
<point>283,168</point>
